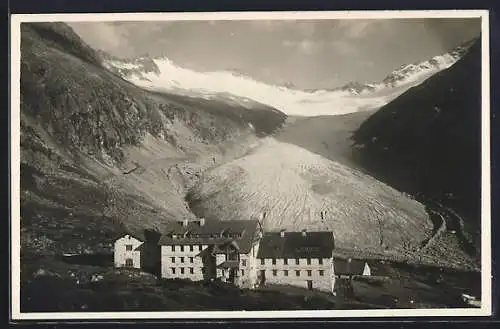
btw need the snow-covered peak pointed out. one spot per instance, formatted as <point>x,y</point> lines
<point>420,71</point>
<point>162,74</point>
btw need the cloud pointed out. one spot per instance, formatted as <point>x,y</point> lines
<point>361,28</point>
<point>305,46</point>
<point>101,35</point>
<point>343,47</point>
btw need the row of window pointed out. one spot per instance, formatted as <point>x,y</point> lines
<point>181,259</point>
<point>186,248</point>
<point>297,272</point>
<point>297,261</point>
<point>173,270</point>
<point>191,260</point>
<point>128,247</point>
<point>182,270</point>
<point>206,236</point>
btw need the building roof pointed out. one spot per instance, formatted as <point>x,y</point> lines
<point>139,235</point>
<point>296,245</point>
<point>241,233</point>
<point>346,267</point>
<point>229,264</point>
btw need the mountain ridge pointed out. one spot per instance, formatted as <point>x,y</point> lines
<point>83,130</point>
<point>427,141</point>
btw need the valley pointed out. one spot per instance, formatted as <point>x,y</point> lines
<point>106,150</point>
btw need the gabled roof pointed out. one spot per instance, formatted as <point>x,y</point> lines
<point>296,245</point>
<point>242,232</point>
<point>346,267</point>
<point>229,264</point>
<point>135,234</point>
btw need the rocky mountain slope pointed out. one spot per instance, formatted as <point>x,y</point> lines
<point>427,141</point>
<point>98,153</point>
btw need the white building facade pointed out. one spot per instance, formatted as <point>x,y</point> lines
<point>203,250</point>
<point>302,259</point>
<point>236,252</point>
<point>125,253</point>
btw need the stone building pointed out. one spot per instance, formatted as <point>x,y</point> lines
<point>125,253</point>
<point>202,250</point>
<point>138,250</point>
<point>237,252</point>
<point>303,259</point>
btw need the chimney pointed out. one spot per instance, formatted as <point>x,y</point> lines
<point>304,232</point>
<point>282,233</point>
<point>202,221</point>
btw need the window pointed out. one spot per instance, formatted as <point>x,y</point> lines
<point>321,261</point>
<point>242,272</point>
<point>274,261</point>
<point>173,270</point>
<point>296,261</point>
<point>262,261</point>
<point>297,273</point>
<point>191,248</point>
<point>232,256</point>
<point>191,259</point>
<point>172,259</point>
<point>182,248</point>
<point>191,270</point>
<point>129,262</point>
<point>182,259</point>
<point>275,272</point>
<point>309,272</point>
<point>128,247</point>
<point>202,270</point>
<point>173,248</point>
<point>309,261</point>
<point>200,247</point>
<point>182,270</point>
<point>285,261</point>
<point>321,272</point>
<point>285,272</point>
<point>243,262</point>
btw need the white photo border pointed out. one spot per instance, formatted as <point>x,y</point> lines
<point>486,271</point>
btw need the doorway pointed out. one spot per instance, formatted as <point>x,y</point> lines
<point>232,275</point>
<point>262,277</point>
<point>309,285</point>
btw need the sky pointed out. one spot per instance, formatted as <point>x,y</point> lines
<point>309,54</point>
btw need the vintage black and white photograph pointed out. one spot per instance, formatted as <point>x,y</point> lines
<point>250,165</point>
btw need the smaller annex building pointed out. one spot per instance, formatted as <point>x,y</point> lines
<point>350,268</point>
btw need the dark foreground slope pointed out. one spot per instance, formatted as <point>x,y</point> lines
<point>83,132</point>
<point>427,141</point>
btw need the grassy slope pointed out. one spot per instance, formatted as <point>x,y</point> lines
<point>84,130</point>
<point>72,289</point>
<point>427,141</point>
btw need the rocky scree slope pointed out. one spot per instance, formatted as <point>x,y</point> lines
<point>85,131</point>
